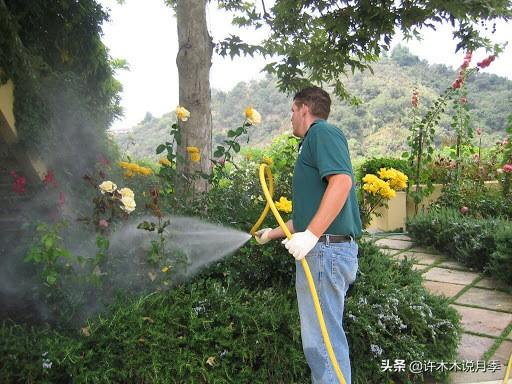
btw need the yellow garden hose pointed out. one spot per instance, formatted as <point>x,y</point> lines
<point>269,191</point>
<point>507,373</point>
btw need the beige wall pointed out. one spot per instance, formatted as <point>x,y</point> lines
<point>393,217</point>
<point>7,122</point>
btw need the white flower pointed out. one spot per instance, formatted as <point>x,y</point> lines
<point>126,192</point>
<point>376,350</point>
<point>107,186</point>
<point>128,204</point>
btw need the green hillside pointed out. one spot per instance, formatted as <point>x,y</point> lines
<point>377,126</point>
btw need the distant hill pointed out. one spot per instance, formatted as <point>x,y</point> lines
<point>378,126</point>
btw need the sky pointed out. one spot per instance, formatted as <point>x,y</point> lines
<point>145,34</point>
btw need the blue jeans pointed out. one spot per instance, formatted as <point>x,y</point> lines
<point>333,267</point>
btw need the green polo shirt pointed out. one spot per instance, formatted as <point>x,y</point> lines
<point>323,152</point>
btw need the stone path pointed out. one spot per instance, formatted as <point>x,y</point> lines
<point>484,305</point>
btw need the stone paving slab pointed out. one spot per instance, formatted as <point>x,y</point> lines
<point>490,283</point>
<point>394,244</point>
<point>399,237</point>
<point>478,377</point>
<point>503,353</point>
<point>420,257</point>
<point>389,252</point>
<point>473,347</point>
<point>418,267</point>
<point>453,265</point>
<point>440,288</point>
<point>483,321</point>
<point>487,298</point>
<point>423,250</point>
<point>450,276</point>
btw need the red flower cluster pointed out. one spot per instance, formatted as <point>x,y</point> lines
<point>49,179</point>
<point>415,97</point>
<point>20,183</point>
<point>465,64</point>
<point>486,62</point>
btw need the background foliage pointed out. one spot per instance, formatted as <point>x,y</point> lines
<point>379,126</point>
<point>52,51</point>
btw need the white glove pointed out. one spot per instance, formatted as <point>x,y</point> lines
<point>300,244</point>
<point>261,236</point>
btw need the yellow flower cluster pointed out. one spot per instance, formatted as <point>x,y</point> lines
<point>252,116</point>
<point>181,113</point>
<point>132,168</point>
<point>396,179</point>
<point>164,161</point>
<point>194,154</point>
<point>375,186</point>
<point>283,205</point>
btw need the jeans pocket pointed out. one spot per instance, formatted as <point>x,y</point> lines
<point>344,263</point>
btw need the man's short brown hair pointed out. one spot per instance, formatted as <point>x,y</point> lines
<point>318,101</point>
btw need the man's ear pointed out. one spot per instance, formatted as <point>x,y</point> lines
<point>305,110</point>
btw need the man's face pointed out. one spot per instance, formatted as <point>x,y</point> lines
<point>298,121</point>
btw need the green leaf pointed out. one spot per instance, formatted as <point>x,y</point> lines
<point>51,278</point>
<point>160,149</point>
<point>48,241</point>
<point>405,155</point>
<point>236,147</point>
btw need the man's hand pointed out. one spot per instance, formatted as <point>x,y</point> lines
<point>300,244</point>
<point>261,236</point>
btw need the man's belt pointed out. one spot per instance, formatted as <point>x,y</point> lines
<point>335,238</point>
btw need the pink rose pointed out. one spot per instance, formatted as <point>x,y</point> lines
<point>507,168</point>
<point>103,223</point>
<point>464,210</point>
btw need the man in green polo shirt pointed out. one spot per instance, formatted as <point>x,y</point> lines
<point>325,223</point>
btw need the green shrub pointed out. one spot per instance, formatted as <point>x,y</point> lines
<point>389,315</point>
<point>482,201</point>
<point>500,264</point>
<point>469,240</point>
<point>199,332</point>
<point>218,330</point>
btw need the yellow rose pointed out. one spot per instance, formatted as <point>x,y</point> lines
<point>397,180</point>
<point>134,167</point>
<point>182,114</point>
<point>128,204</point>
<point>283,205</point>
<point>126,192</point>
<point>165,161</point>
<point>107,187</point>
<point>145,171</point>
<point>195,157</point>
<point>252,116</point>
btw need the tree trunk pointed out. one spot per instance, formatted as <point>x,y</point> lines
<point>194,60</point>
